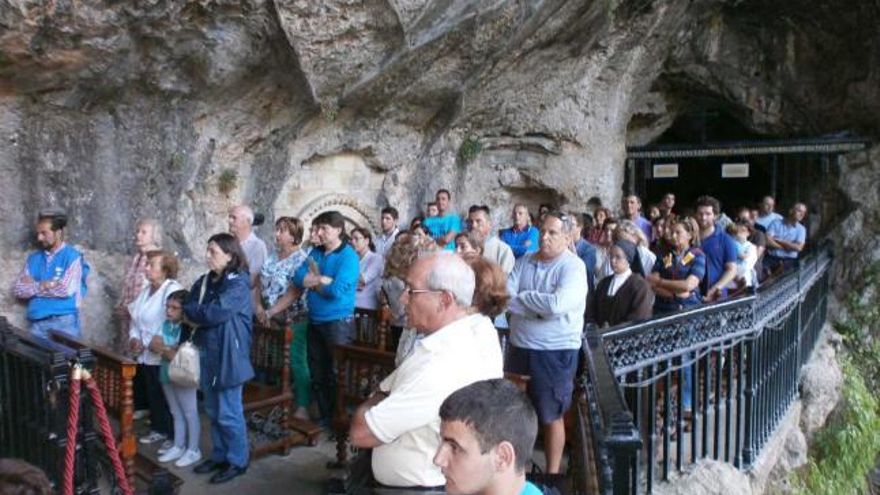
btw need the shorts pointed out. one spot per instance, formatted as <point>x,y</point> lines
<point>551,378</point>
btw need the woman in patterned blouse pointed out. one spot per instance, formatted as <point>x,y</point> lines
<point>147,237</point>
<point>275,275</point>
<point>272,284</point>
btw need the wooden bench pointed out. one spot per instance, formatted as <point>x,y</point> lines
<point>114,375</point>
<point>268,399</point>
<point>360,368</point>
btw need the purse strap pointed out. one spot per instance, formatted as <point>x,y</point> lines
<point>202,291</point>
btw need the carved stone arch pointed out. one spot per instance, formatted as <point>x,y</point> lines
<point>356,213</point>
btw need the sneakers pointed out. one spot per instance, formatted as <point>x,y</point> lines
<point>165,447</point>
<point>189,458</point>
<point>151,438</point>
<point>172,455</point>
<point>141,414</point>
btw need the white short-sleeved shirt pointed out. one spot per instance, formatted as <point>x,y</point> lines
<point>408,421</point>
<point>255,251</point>
<point>147,315</point>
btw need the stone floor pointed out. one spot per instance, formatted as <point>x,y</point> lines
<point>302,472</point>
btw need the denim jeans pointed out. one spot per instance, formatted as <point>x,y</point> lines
<point>68,324</point>
<point>323,337</point>
<point>229,439</point>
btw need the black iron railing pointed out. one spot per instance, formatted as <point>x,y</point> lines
<point>34,404</point>
<point>738,361</point>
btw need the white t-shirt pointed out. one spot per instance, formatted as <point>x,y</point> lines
<point>408,420</point>
<point>147,315</point>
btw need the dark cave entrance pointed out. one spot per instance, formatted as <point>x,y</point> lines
<point>710,152</point>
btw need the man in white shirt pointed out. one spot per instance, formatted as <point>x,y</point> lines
<point>401,422</point>
<point>241,220</point>
<point>386,238</point>
<point>494,249</point>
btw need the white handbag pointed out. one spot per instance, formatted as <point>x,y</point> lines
<point>184,370</point>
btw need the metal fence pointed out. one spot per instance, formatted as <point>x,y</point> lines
<point>739,360</point>
<point>34,404</point>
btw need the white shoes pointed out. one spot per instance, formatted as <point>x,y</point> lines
<point>189,458</point>
<point>141,414</point>
<point>152,437</point>
<point>165,447</point>
<point>172,455</point>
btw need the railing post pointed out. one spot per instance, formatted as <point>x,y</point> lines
<point>623,443</point>
<point>748,452</point>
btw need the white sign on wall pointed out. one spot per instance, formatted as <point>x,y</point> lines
<point>735,170</point>
<point>665,170</point>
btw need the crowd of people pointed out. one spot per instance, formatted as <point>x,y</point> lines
<point>451,286</point>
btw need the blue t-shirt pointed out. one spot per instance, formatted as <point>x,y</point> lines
<point>719,249</point>
<point>791,233</point>
<point>521,241</point>
<point>530,489</point>
<point>674,267</point>
<point>440,226</point>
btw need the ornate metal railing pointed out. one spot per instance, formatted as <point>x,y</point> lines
<point>739,360</point>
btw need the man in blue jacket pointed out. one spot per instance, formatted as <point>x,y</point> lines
<point>330,275</point>
<point>53,280</point>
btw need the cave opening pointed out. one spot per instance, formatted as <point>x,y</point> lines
<point>709,151</point>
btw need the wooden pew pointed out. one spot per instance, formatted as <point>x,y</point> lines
<point>114,374</point>
<point>359,369</point>
<point>268,399</point>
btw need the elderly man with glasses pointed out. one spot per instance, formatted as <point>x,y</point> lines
<point>401,422</point>
<point>549,293</point>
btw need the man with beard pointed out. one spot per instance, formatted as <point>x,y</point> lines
<point>53,280</point>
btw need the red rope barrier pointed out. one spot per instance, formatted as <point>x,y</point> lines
<point>107,433</point>
<point>72,427</point>
<point>77,376</point>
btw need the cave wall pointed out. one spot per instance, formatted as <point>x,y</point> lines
<point>178,110</point>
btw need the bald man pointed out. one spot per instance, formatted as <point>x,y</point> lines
<point>241,220</point>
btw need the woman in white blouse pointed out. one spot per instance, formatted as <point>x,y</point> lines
<point>371,265</point>
<point>147,315</point>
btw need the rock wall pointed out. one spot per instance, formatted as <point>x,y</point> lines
<point>179,109</point>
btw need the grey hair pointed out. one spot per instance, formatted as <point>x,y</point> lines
<point>154,225</point>
<point>450,273</point>
<point>246,211</point>
<point>629,227</point>
<point>566,219</point>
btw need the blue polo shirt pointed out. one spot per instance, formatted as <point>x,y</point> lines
<point>719,249</point>
<point>780,229</point>
<point>521,241</point>
<point>440,226</point>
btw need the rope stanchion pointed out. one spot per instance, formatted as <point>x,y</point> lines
<point>72,428</point>
<point>107,433</point>
<point>78,375</point>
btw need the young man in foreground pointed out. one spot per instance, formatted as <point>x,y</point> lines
<point>487,432</point>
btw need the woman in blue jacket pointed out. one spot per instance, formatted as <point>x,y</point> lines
<point>220,305</point>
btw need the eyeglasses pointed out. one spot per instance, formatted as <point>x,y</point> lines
<point>409,291</point>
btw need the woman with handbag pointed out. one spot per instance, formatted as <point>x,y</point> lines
<point>147,315</point>
<point>220,304</point>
